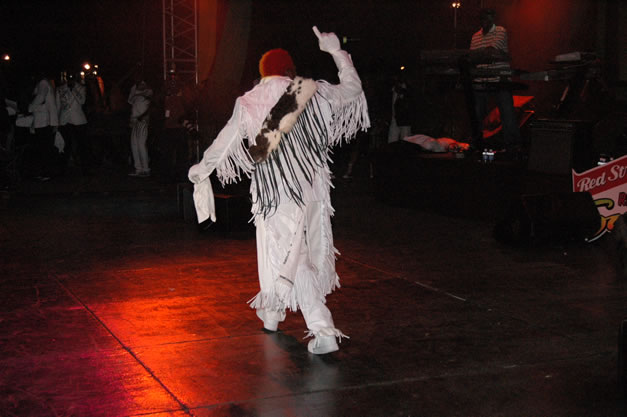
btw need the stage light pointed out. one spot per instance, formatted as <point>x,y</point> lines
<point>456,5</point>
<point>6,57</point>
<point>86,66</point>
<point>402,67</point>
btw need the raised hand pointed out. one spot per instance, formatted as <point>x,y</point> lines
<point>328,42</point>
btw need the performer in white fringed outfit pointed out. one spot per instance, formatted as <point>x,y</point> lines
<point>280,135</point>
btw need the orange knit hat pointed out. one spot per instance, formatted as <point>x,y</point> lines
<point>275,62</point>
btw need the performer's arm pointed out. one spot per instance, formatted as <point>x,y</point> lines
<point>219,150</point>
<point>347,103</point>
<point>350,84</point>
<point>226,154</point>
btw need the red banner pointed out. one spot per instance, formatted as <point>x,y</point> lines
<point>601,178</point>
<point>608,186</point>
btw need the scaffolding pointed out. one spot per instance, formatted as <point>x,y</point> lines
<point>180,39</point>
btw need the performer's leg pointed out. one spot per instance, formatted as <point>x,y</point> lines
<point>321,250</point>
<point>317,315</point>
<point>272,234</point>
<point>320,325</point>
<point>481,110</point>
<point>473,101</point>
<point>511,132</point>
<point>271,319</point>
<point>318,265</point>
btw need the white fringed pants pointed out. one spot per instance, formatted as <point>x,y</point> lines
<point>296,261</point>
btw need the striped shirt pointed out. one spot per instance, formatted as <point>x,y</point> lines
<point>495,38</point>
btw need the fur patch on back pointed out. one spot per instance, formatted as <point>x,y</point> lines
<point>282,117</point>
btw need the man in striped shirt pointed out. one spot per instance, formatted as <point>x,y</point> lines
<point>490,44</point>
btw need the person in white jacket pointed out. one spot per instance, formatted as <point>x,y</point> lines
<point>43,107</point>
<point>71,97</point>
<point>280,135</point>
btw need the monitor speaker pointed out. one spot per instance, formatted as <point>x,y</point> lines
<point>547,218</point>
<point>558,146</point>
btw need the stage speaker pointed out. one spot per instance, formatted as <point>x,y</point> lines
<point>557,146</point>
<point>549,218</point>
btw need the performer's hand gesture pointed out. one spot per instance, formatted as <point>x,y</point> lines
<point>328,42</point>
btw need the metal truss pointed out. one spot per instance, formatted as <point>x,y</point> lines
<point>180,39</point>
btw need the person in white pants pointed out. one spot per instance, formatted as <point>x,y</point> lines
<point>280,135</point>
<point>140,100</point>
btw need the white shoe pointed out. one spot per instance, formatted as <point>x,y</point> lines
<point>320,345</point>
<point>268,324</point>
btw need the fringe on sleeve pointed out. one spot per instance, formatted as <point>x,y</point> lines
<point>236,162</point>
<point>348,115</point>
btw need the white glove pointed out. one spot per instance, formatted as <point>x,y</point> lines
<point>204,202</point>
<point>196,173</point>
<point>203,193</point>
<point>328,42</point>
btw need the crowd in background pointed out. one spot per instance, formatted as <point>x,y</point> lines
<point>60,124</point>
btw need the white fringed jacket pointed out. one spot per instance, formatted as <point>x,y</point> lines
<point>289,189</point>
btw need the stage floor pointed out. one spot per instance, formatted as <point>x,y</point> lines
<point>112,305</point>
